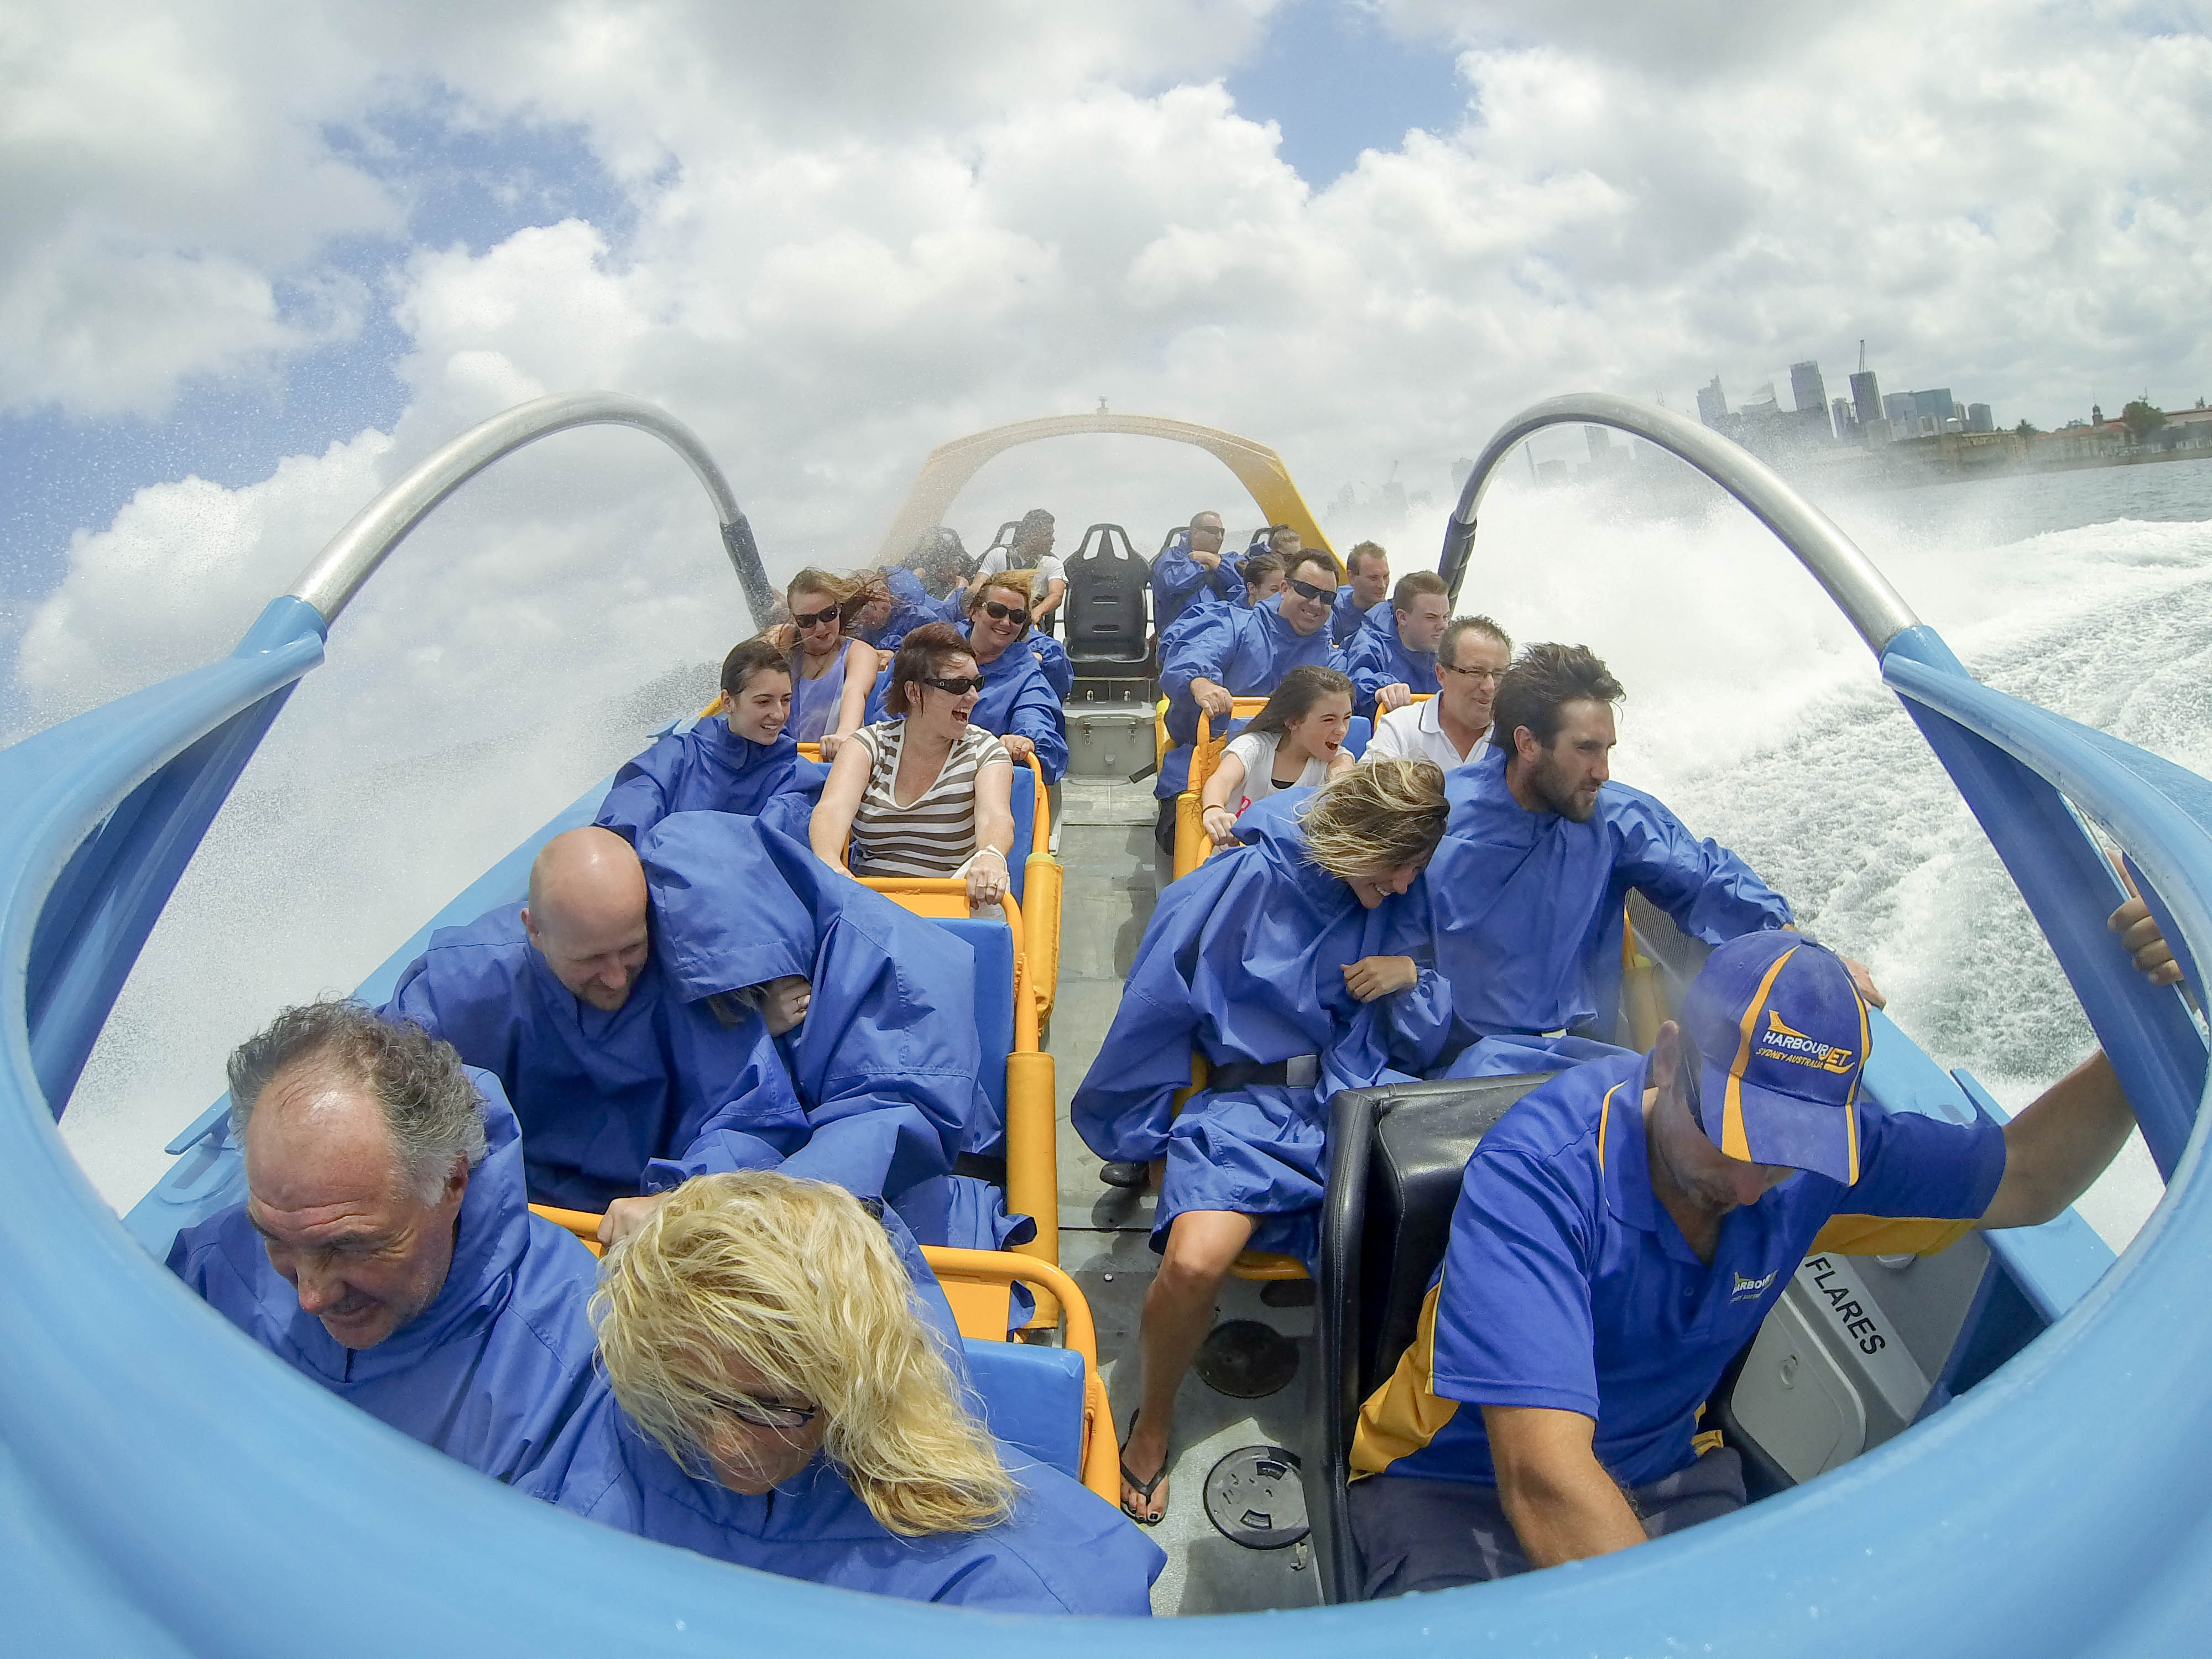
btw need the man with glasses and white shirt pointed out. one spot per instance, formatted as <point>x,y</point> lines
<point>1450,728</point>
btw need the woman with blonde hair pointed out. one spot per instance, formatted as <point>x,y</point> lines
<point>831,669</point>
<point>1296,963</point>
<point>769,1395</point>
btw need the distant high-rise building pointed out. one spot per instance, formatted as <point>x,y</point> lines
<point>1599,442</point>
<point>1712,402</point>
<point>1865,397</point>
<point>1897,410</point>
<point>1930,410</point>
<point>1807,390</point>
<point>1979,418</point>
<point>1846,424</point>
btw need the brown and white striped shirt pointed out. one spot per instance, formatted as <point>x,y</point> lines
<point>933,836</point>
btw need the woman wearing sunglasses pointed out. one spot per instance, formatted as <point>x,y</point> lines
<point>770,1396</point>
<point>1019,702</point>
<point>926,792</point>
<point>830,670</point>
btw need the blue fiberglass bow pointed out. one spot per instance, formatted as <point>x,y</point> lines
<point>164,1488</point>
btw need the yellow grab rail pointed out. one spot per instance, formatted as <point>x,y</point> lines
<point>1101,1446</point>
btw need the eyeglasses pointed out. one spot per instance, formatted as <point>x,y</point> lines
<point>814,618</point>
<point>957,688</point>
<point>1021,617</point>
<point>1311,592</point>
<point>1493,675</point>
<point>762,1416</point>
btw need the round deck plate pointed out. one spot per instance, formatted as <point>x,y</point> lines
<point>1254,1497</point>
<point>1247,1360</point>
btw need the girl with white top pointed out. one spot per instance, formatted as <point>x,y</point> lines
<point>1298,739</point>
<point>925,792</point>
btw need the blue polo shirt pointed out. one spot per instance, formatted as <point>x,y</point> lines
<point>1566,1284</point>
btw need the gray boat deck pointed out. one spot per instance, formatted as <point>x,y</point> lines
<point>1106,849</point>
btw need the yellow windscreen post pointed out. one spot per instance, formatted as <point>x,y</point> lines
<point>585,1226</point>
<point>1639,975</point>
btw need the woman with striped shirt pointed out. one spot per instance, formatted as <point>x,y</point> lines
<point>924,792</point>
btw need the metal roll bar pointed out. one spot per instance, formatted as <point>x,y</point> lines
<point>353,555</point>
<point>1861,591</point>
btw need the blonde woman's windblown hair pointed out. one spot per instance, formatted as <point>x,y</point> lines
<point>1378,816</point>
<point>797,1280</point>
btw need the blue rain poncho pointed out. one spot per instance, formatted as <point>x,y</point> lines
<point>1063,1551</point>
<point>706,769</point>
<point>490,1372</point>
<point>1376,657</point>
<point>1180,583</point>
<point>1526,906</point>
<point>600,1094</point>
<point>885,1062</point>
<point>1248,651</point>
<point>1243,960</point>
<point>1347,615</point>
<point>917,606</point>
<point>1018,700</point>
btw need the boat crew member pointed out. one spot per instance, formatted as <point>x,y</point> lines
<point>1543,850</point>
<point>770,1398</point>
<point>1285,962</point>
<point>1031,550</point>
<point>1452,727</point>
<point>385,1249</point>
<point>1190,571</point>
<point>1224,654</point>
<point>734,761</point>
<point>1394,656</point>
<point>830,670</point>
<point>559,998</point>
<point>1622,1233</point>
<point>885,1064</point>
<point>1368,568</point>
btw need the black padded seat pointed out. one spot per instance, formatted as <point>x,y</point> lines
<point>1396,1155</point>
<point>1108,585</point>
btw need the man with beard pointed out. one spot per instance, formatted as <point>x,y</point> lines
<point>1539,857</point>
<point>1451,728</point>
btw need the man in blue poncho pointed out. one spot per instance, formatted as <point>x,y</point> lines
<point>1289,964</point>
<point>608,1069</point>
<point>1368,569</point>
<point>1190,572</point>
<point>1528,889</point>
<point>385,1249</point>
<point>768,1397</point>
<point>736,760</point>
<point>1226,653</point>
<point>1394,657</point>
<point>1624,1232</point>
<point>887,1060</point>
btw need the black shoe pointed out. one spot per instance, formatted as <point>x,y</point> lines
<point>1123,1172</point>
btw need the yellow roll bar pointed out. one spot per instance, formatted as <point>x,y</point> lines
<point>1102,1460</point>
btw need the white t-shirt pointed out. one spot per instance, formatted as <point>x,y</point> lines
<point>1257,750</point>
<point>1050,569</point>
<point>1414,733</point>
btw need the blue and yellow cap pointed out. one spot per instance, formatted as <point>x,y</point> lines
<point>1780,1036</point>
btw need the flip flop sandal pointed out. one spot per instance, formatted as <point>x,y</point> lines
<point>1143,1489</point>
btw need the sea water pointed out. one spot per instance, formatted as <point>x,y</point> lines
<point>1753,710</point>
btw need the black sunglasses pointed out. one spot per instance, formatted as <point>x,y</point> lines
<point>762,1416</point>
<point>814,618</point>
<point>1310,591</point>
<point>973,682</point>
<point>1002,612</point>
